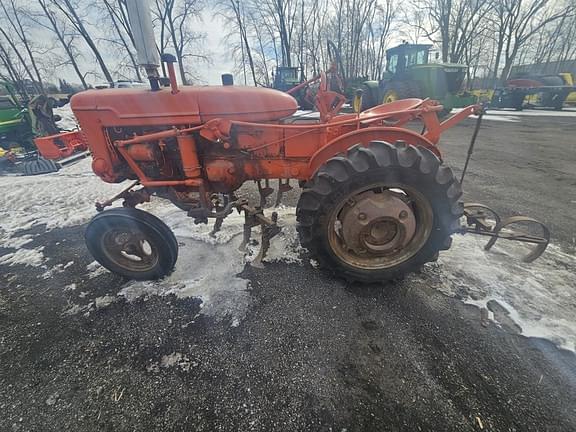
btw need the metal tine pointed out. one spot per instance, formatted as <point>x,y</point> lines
<point>264,192</point>
<point>217,226</point>
<point>282,189</point>
<point>268,231</point>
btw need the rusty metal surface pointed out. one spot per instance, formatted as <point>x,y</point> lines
<point>484,221</point>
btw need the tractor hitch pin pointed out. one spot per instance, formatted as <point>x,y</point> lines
<point>482,220</point>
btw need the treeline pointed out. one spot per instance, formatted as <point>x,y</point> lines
<point>93,40</point>
<point>488,35</point>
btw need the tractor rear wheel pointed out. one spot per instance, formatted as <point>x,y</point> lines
<point>132,243</point>
<point>396,90</point>
<point>379,212</point>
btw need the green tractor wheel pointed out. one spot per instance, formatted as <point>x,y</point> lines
<point>396,90</point>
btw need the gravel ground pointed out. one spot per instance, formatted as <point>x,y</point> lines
<point>310,352</point>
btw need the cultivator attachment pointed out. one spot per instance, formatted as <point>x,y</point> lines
<point>253,217</point>
<point>484,221</point>
<point>268,227</point>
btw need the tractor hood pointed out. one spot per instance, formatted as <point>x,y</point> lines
<point>189,106</point>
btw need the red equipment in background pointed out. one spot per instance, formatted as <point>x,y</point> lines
<point>60,146</point>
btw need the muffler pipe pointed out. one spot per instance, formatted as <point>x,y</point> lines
<point>140,20</point>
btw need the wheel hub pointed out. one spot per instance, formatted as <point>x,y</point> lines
<point>377,223</point>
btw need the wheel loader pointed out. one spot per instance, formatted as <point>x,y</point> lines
<point>410,74</point>
<point>377,198</point>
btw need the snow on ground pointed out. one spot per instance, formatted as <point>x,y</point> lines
<point>208,267</point>
<point>538,296</point>
<point>68,121</point>
<point>57,200</point>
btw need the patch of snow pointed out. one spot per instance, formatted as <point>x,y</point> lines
<point>70,287</point>
<point>17,242</point>
<point>204,271</point>
<point>177,359</point>
<point>208,267</point>
<point>95,269</point>
<point>104,301</point>
<point>68,121</point>
<point>75,309</point>
<point>58,268</point>
<point>56,200</point>
<point>539,296</point>
<point>30,257</point>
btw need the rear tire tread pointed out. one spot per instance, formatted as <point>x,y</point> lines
<point>417,167</point>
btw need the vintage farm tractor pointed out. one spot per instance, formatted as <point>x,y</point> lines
<point>377,199</point>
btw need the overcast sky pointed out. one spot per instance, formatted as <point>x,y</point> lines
<point>221,60</point>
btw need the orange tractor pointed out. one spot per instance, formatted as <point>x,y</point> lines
<point>377,199</point>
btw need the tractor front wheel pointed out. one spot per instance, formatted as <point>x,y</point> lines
<point>132,243</point>
<point>379,212</point>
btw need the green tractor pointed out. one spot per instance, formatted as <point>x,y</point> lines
<point>286,78</point>
<point>18,153</point>
<point>410,75</point>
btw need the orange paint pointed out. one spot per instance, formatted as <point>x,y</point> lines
<point>216,138</point>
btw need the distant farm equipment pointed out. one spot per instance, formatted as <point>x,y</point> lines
<point>546,91</point>
<point>291,80</point>
<point>409,73</point>
<point>21,125</point>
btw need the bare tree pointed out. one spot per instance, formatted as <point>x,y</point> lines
<point>66,40</point>
<point>72,11</point>
<point>117,15</point>
<point>234,16</point>
<point>175,18</point>
<point>516,22</point>
<point>13,16</point>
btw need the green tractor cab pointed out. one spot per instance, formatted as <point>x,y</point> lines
<point>286,78</point>
<point>409,74</point>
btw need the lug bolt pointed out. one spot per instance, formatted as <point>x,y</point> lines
<point>403,214</point>
<point>362,216</point>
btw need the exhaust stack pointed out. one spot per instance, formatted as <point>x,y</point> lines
<point>143,31</point>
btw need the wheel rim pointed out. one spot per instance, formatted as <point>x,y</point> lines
<point>390,96</point>
<point>130,249</point>
<point>380,227</point>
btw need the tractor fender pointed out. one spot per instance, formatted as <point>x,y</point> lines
<point>372,85</point>
<point>364,137</point>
